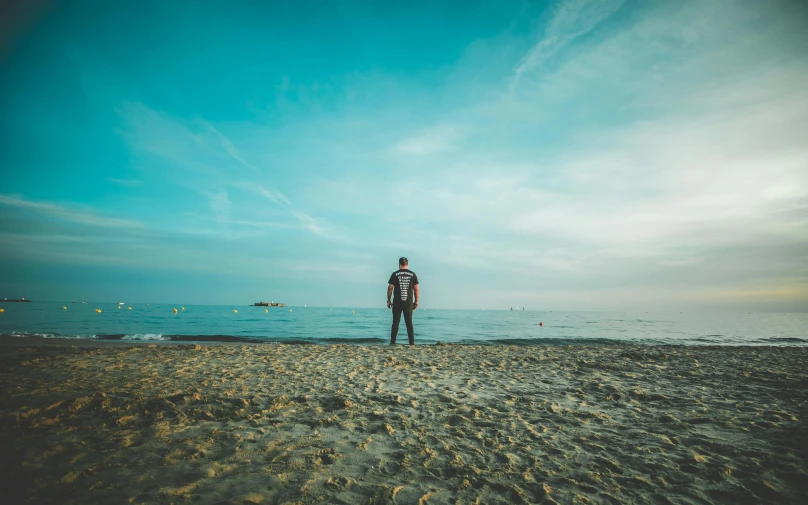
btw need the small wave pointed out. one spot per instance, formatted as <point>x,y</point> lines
<point>337,340</point>
<point>783,339</point>
<point>143,336</point>
<point>707,339</point>
<point>212,338</point>
<point>49,335</point>
<point>547,341</point>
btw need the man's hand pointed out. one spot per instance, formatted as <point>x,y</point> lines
<point>414,305</point>
<point>389,305</point>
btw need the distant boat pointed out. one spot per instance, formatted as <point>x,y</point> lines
<point>268,304</point>
<point>21,300</point>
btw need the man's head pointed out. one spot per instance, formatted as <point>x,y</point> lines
<point>402,262</point>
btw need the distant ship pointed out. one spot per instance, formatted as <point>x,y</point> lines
<point>268,304</point>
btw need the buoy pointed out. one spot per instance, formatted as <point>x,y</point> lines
<point>183,308</point>
<point>352,312</point>
<point>541,324</point>
<point>129,308</point>
<point>235,311</point>
<point>290,310</point>
<point>175,311</point>
<point>98,310</point>
<point>266,310</point>
<point>119,306</point>
<point>64,307</point>
<point>2,310</point>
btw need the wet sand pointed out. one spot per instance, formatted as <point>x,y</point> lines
<point>288,424</point>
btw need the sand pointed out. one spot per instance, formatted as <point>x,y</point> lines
<point>291,424</point>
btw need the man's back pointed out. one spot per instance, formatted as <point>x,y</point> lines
<point>403,281</point>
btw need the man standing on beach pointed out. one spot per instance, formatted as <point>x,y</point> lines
<point>405,284</point>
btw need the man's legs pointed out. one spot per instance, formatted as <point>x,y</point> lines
<point>396,320</point>
<point>410,330</point>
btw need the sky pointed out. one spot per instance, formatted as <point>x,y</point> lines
<point>563,154</point>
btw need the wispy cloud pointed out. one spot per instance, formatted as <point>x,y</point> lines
<point>220,205</point>
<point>271,194</point>
<point>431,140</point>
<point>227,146</point>
<point>306,222</point>
<point>61,212</point>
<point>207,161</point>
<point>130,183</point>
<point>311,224</point>
<point>571,20</point>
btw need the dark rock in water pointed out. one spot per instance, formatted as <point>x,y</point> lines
<point>21,300</point>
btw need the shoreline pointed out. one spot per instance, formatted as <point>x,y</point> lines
<point>211,422</point>
<point>11,340</point>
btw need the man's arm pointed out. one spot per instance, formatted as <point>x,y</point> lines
<point>417,297</point>
<point>389,294</point>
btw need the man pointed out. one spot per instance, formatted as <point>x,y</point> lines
<point>405,284</point>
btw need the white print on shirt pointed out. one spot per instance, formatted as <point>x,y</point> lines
<point>404,279</point>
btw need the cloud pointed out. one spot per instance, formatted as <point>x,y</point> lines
<point>130,183</point>
<point>60,212</point>
<point>220,205</point>
<point>205,160</point>
<point>431,140</point>
<point>309,223</point>
<point>271,194</point>
<point>186,147</point>
<point>570,20</point>
<point>227,146</point>
<point>305,221</point>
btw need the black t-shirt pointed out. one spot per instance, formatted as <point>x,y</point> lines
<point>404,281</point>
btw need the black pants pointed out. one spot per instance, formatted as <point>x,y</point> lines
<point>397,311</point>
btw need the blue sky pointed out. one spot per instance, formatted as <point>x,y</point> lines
<point>571,154</point>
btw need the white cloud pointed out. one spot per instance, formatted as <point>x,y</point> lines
<point>202,158</point>
<point>571,19</point>
<point>220,205</point>
<point>227,146</point>
<point>273,195</point>
<point>58,211</point>
<point>130,183</point>
<point>309,223</point>
<point>431,140</point>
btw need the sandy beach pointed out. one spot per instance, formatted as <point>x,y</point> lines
<point>82,422</point>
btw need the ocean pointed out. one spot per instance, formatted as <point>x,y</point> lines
<point>324,325</point>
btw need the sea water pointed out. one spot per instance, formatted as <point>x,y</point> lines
<point>322,325</point>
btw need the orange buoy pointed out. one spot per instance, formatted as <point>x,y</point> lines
<point>541,324</point>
